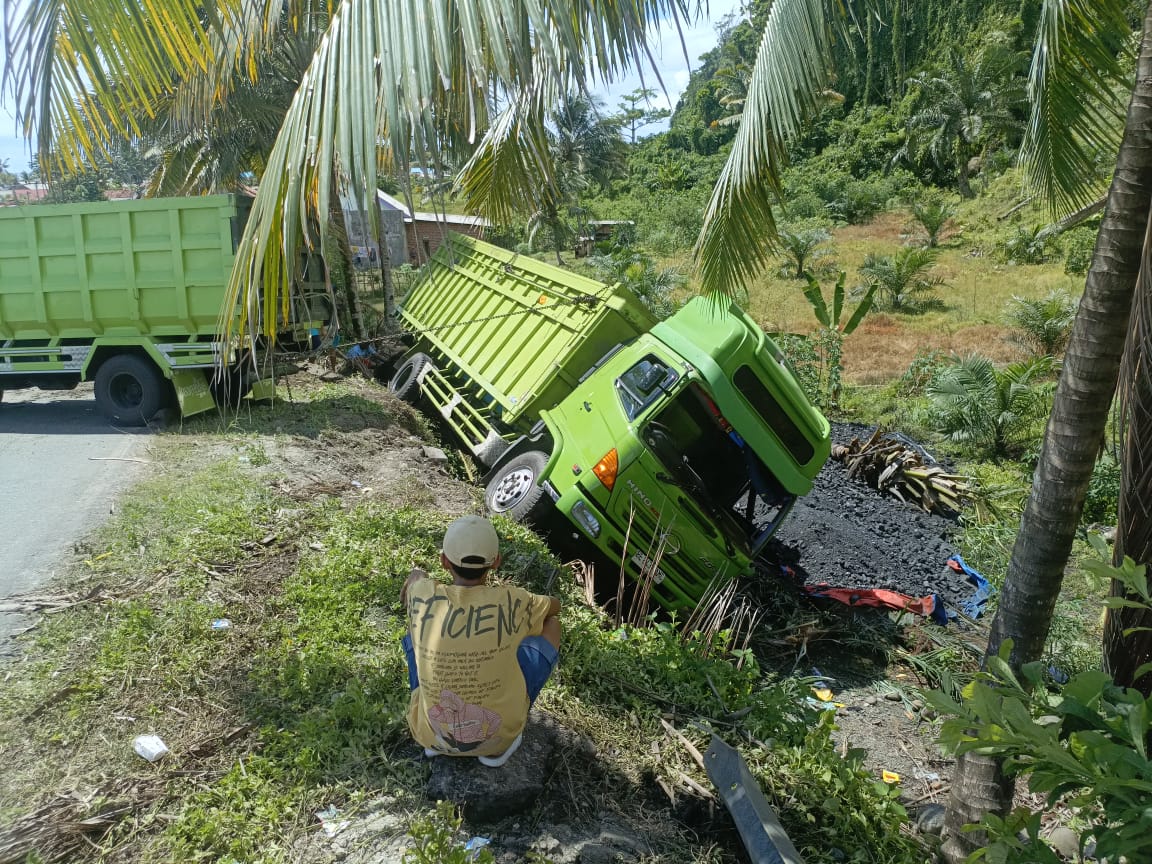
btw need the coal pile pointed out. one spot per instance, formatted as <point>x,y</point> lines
<point>847,535</point>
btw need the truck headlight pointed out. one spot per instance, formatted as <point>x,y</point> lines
<point>583,515</point>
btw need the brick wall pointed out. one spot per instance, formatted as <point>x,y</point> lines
<point>426,236</point>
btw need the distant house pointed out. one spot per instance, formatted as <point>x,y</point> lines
<point>424,232</point>
<point>26,193</point>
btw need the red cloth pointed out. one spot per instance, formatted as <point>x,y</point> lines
<point>878,597</point>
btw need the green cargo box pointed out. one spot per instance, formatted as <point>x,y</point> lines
<point>156,267</point>
<point>523,341</point>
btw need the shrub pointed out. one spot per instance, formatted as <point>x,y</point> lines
<point>1103,492</point>
<point>1082,744</point>
<point>1034,245</point>
<point>932,211</point>
<point>1079,244</point>
<point>802,247</point>
<point>639,273</point>
<point>803,360</point>
<point>975,403</point>
<point>1043,326</point>
<point>902,279</point>
<point>922,371</point>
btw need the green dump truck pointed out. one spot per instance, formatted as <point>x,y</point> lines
<point>675,447</point>
<point>127,294</point>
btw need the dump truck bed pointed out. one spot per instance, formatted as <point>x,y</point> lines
<point>522,331</point>
<point>155,267</point>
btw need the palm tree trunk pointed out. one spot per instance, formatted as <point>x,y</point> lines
<point>962,156</point>
<point>1071,441</point>
<point>1124,655</point>
<point>386,282</point>
<point>348,289</point>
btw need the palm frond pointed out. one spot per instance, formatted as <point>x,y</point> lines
<point>791,71</point>
<point>74,64</point>
<point>1077,86</point>
<point>415,77</point>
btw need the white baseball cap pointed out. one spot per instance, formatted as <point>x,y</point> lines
<point>471,541</point>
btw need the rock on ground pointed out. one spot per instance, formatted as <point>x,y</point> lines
<point>489,794</point>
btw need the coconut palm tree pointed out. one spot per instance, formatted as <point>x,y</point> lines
<point>391,84</point>
<point>586,150</point>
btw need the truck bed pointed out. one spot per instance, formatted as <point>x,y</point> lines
<point>154,267</point>
<point>522,336</point>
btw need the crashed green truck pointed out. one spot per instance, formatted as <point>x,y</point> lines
<point>675,447</point>
<point>127,294</point>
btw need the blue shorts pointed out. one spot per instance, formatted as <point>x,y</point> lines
<point>536,655</point>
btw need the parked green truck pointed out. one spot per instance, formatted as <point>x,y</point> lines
<point>675,447</point>
<point>127,294</point>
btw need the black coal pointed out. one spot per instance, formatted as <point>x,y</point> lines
<point>847,535</point>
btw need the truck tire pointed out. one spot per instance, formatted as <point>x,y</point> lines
<point>130,389</point>
<point>405,382</point>
<point>515,491</point>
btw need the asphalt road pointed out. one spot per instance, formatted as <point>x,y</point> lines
<point>59,478</point>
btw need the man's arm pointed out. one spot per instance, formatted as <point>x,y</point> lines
<point>416,573</point>
<point>553,608</point>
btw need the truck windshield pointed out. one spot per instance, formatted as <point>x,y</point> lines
<point>704,456</point>
<point>643,383</point>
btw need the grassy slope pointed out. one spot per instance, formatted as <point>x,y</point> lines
<point>300,704</point>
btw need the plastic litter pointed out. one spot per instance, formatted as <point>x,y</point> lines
<point>329,823</point>
<point>151,747</point>
<point>475,845</point>
<point>890,777</point>
<point>975,605</point>
<point>221,624</point>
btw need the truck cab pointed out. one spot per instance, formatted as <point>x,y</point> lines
<point>681,454</point>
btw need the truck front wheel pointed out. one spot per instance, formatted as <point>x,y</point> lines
<point>129,389</point>
<point>515,490</point>
<point>406,382</point>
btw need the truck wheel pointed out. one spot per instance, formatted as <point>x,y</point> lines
<point>515,490</point>
<point>130,389</point>
<point>405,383</point>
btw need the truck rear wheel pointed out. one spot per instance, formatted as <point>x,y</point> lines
<point>130,389</point>
<point>405,382</point>
<point>515,491</point>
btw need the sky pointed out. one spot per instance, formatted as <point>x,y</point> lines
<point>674,69</point>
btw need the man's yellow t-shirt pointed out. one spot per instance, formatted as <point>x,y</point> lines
<point>472,699</point>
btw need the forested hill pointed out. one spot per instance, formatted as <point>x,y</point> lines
<point>887,43</point>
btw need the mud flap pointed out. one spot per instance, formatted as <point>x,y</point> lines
<point>759,828</point>
<point>262,388</point>
<point>192,391</point>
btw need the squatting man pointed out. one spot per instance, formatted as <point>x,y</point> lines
<point>478,654</point>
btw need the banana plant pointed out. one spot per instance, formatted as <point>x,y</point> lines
<point>830,337</point>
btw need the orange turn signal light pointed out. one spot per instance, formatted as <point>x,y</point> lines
<point>606,469</point>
